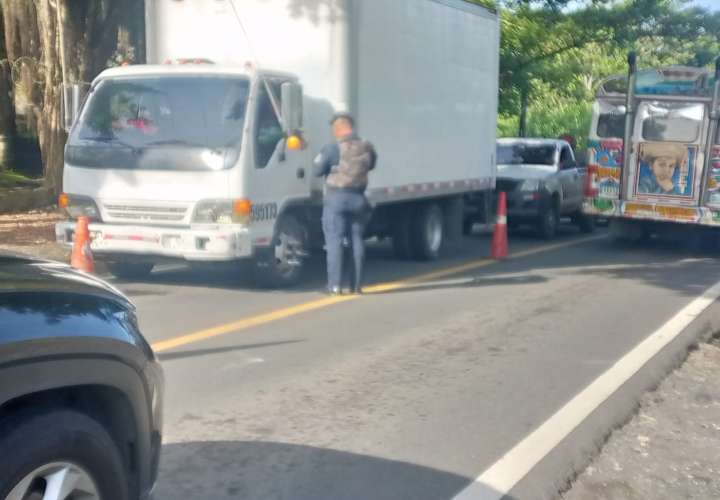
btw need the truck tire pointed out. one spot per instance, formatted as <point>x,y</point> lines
<point>626,231</point>
<point>402,246</point>
<point>549,221</point>
<point>428,232</point>
<point>468,225</point>
<point>131,270</point>
<point>283,264</point>
<point>45,443</point>
<point>585,222</point>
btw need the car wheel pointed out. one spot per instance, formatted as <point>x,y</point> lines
<point>284,264</point>
<point>549,221</point>
<point>59,455</point>
<point>131,270</point>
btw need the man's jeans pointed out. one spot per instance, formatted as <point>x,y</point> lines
<point>345,214</point>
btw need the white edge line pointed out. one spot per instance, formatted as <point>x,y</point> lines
<point>499,479</point>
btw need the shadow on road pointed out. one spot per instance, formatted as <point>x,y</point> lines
<point>661,263</point>
<point>174,356</point>
<point>478,281</point>
<point>256,470</point>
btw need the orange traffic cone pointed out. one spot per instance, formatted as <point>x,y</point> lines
<point>82,257</point>
<point>499,248</point>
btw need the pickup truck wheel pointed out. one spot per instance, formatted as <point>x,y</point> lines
<point>131,270</point>
<point>548,222</point>
<point>283,265</point>
<point>59,455</point>
<point>428,232</point>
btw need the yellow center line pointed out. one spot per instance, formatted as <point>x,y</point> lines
<point>272,316</point>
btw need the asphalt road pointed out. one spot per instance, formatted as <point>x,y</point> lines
<point>406,393</point>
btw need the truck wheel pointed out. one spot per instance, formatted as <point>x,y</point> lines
<point>428,232</point>
<point>585,222</point>
<point>282,266</point>
<point>402,247</point>
<point>548,222</point>
<point>626,231</point>
<point>468,225</point>
<point>63,450</point>
<point>131,270</point>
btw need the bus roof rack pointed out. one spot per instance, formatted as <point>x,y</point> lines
<point>671,80</point>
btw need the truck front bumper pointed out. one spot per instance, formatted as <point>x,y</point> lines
<point>203,243</point>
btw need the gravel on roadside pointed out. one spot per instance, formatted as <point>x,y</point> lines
<point>32,233</point>
<point>671,449</point>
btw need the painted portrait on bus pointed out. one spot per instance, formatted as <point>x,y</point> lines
<point>666,169</point>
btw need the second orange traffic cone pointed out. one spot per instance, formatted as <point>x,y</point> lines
<point>82,257</point>
<point>499,249</point>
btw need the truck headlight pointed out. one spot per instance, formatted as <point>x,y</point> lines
<point>223,212</point>
<point>78,206</point>
<point>530,185</point>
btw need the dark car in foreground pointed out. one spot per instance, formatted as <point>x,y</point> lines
<point>80,389</point>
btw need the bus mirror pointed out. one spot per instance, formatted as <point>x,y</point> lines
<point>292,106</point>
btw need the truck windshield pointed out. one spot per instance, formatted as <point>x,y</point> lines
<point>168,123</point>
<point>518,154</point>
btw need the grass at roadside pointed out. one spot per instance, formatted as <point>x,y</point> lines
<point>12,180</point>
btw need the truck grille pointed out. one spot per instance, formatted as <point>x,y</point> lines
<point>174,214</point>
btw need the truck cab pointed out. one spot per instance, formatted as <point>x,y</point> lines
<point>163,159</point>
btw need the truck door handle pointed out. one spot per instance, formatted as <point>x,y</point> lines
<point>300,173</point>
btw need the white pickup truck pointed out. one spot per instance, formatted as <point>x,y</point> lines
<point>543,183</point>
<point>210,159</point>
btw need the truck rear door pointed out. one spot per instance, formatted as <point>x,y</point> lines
<point>666,162</point>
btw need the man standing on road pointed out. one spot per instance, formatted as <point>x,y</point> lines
<point>345,164</point>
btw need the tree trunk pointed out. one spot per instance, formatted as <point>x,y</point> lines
<point>50,133</point>
<point>7,107</point>
<point>89,30</point>
<point>524,98</point>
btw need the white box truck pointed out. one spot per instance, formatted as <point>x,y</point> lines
<point>195,156</point>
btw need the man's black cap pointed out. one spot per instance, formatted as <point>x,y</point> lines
<point>343,116</point>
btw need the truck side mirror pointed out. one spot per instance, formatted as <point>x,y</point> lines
<point>73,96</point>
<point>292,106</point>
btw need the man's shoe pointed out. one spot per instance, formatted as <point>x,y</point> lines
<point>356,291</point>
<point>333,291</point>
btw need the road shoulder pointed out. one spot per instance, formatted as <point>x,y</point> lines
<point>669,448</point>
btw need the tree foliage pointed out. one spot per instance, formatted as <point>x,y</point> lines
<point>48,42</point>
<point>553,54</point>
<point>554,57</point>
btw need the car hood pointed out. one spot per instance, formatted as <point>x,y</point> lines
<point>522,172</point>
<point>22,273</point>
